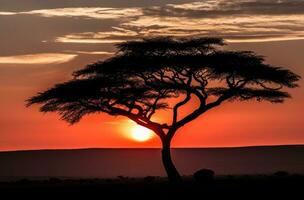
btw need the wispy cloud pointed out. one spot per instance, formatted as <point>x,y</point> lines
<point>230,7</point>
<point>43,58</point>
<point>86,12</point>
<point>235,29</point>
<point>106,53</point>
<point>117,35</point>
<point>236,21</point>
<point>7,13</point>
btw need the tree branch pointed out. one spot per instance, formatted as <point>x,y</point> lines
<point>268,88</point>
<point>196,113</point>
<point>175,109</point>
<point>157,128</point>
<point>153,107</point>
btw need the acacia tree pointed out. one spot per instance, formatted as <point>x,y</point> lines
<point>144,74</point>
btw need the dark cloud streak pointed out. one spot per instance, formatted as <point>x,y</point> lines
<point>228,7</point>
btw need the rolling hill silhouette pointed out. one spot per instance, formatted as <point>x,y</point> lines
<point>104,163</point>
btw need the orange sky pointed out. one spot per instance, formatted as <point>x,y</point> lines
<point>34,60</point>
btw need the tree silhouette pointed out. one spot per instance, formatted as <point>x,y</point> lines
<point>144,74</point>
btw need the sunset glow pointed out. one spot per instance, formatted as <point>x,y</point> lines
<point>166,98</point>
<point>43,43</point>
<point>141,134</point>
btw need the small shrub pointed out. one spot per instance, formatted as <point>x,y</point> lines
<point>108,180</point>
<point>24,181</point>
<point>204,176</point>
<point>281,173</point>
<point>123,177</point>
<point>55,180</point>
<point>149,178</point>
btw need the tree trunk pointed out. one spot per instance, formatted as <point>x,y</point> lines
<point>173,175</point>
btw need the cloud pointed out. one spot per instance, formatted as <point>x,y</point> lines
<point>229,7</point>
<point>43,58</point>
<point>73,39</point>
<point>7,13</point>
<point>234,28</point>
<point>117,35</point>
<point>84,12</point>
<point>106,53</point>
<point>236,21</point>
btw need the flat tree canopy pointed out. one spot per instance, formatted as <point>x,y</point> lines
<point>143,74</point>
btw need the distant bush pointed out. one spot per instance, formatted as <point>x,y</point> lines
<point>149,178</point>
<point>24,181</point>
<point>108,180</point>
<point>55,180</point>
<point>281,173</point>
<point>230,176</point>
<point>123,177</point>
<point>204,176</point>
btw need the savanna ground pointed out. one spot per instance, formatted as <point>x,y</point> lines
<point>242,187</point>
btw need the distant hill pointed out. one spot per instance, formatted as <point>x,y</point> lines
<point>143,162</point>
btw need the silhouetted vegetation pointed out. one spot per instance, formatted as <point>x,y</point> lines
<point>204,176</point>
<point>281,173</point>
<point>259,186</point>
<point>144,74</point>
<point>150,178</point>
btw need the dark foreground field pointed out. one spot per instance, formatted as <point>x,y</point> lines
<point>105,163</point>
<point>35,173</point>
<point>241,187</point>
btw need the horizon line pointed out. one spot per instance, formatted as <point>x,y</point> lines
<point>134,148</point>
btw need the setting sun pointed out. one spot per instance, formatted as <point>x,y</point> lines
<point>141,134</point>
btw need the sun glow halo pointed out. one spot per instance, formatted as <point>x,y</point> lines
<point>141,134</point>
